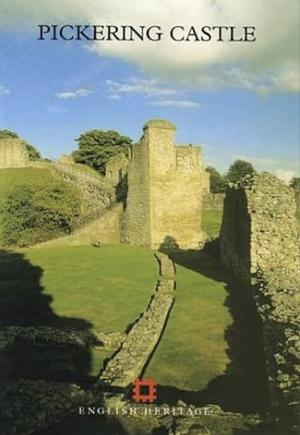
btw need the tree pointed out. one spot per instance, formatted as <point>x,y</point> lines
<point>217,182</point>
<point>238,170</point>
<point>8,134</point>
<point>96,147</point>
<point>295,183</point>
<point>32,151</point>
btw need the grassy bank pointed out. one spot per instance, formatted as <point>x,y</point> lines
<point>10,178</point>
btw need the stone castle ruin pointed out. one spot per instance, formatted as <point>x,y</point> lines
<point>164,190</point>
<point>260,245</point>
<point>161,185</point>
<point>13,153</point>
<point>116,168</point>
<point>162,197</point>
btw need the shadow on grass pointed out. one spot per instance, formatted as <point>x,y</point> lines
<point>23,303</point>
<point>243,387</point>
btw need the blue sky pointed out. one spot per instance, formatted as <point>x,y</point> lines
<point>52,91</point>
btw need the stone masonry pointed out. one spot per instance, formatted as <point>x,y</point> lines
<point>13,153</point>
<point>259,228</point>
<point>104,229</point>
<point>260,244</point>
<point>116,169</point>
<point>165,185</point>
<point>161,186</point>
<point>129,362</point>
<point>96,191</point>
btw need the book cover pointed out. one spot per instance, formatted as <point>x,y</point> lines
<point>149,217</point>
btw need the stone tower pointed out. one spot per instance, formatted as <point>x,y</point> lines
<point>13,153</point>
<point>164,191</point>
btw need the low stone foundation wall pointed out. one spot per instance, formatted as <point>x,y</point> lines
<point>46,334</point>
<point>27,406</point>
<point>187,419</point>
<point>130,360</point>
<point>166,266</point>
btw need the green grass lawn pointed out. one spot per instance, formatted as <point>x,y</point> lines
<point>192,350</point>
<point>211,222</point>
<point>106,289</point>
<point>87,288</point>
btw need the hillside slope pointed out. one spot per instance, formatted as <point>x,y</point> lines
<point>33,177</point>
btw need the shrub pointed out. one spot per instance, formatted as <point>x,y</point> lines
<point>33,214</point>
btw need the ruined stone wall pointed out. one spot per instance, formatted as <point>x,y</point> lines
<point>206,181</point>
<point>67,159</point>
<point>116,169</point>
<point>262,211</point>
<point>13,153</point>
<point>260,244</point>
<point>136,228</point>
<point>236,234</point>
<point>165,190</point>
<point>105,229</point>
<point>175,198</point>
<point>96,191</point>
<point>297,198</point>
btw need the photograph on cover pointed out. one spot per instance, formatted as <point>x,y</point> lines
<point>149,217</point>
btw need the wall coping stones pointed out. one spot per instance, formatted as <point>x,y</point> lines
<point>159,123</point>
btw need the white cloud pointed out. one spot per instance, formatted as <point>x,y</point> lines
<point>4,90</point>
<point>284,174</point>
<point>182,104</point>
<point>66,95</point>
<point>270,64</point>
<point>149,88</point>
